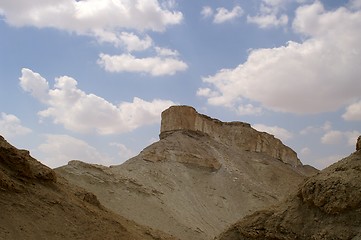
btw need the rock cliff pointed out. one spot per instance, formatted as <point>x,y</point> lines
<point>201,176</point>
<point>35,203</point>
<point>237,134</point>
<point>326,207</point>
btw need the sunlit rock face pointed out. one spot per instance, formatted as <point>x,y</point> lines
<point>235,134</point>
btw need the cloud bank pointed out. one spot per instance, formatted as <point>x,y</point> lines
<point>100,19</point>
<point>155,66</point>
<point>10,126</point>
<point>81,112</point>
<point>320,74</point>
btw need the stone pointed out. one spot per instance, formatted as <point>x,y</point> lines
<point>22,165</point>
<point>358,143</point>
<point>239,134</point>
<point>326,206</point>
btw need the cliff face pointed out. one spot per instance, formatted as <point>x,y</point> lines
<point>327,206</point>
<point>200,177</point>
<point>237,134</point>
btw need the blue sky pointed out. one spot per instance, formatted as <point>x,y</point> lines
<point>88,79</point>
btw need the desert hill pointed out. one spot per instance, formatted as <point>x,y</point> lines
<point>36,203</point>
<point>327,206</point>
<point>200,177</point>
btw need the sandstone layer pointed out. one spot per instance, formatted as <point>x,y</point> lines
<point>35,203</point>
<point>237,134</point>
<point>199,178</point>
<point>326,207</point>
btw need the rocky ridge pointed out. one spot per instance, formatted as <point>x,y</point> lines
<point>327,206</point>
<point>200,177</point>
<point>238,134</point>
<point>36,203</point>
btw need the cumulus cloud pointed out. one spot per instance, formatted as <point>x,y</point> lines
<point>278,132</point>
<point>269,14</point>
<point>58,150</point>
<point>206,12</point>
<point>332,137</point>
<point>166,52</point>
<point>223,15</point>
<point>81,112</point>
<point>100,19</point>
<point>133,43</point>
<point>269,20</point>
<point>339,137</point>
<point>35,84</point>
<point>320,74</point>
<point>155,66</point>
<point>353,112</point>
<point>248,109</point>
<point>10,126</point>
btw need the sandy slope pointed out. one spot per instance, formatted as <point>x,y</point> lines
<point>326,207</point>
<point>35,203</point>
<point>188,184</point>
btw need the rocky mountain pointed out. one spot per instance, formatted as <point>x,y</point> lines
<point>199,178</point>
<point>327,206</point>
<point>36,203</point>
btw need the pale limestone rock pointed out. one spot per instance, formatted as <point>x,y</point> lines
<point>358,143</point>
<point>238,134</point>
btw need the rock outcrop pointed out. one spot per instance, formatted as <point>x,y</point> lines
<point>238,134</point>
<point>200,177</point>
<point>35,203</point>
<point>18,165</point>
<point>327,206</point>
<point>358,144</point>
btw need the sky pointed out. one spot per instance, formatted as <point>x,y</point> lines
<point>88,79</point>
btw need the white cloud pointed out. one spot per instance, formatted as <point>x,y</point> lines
<point>123,152</point>
<point>166,52</point>
<point>332,137</point>
<point>278,132</point>
<point>133,43</point>
<point>267,21</point>
<point>207,12</point>
<point>320,74</point>
<point>100,19</point>
<point>58,150</point>
<point>353,112</point>
<point>337,137</point>
<point>327,126</point>
<point>206,92</point>
<point>155,66</point>
<point>223,15</point>
<point>82,112</point>
<point>249,109</point>
<point>269,14</point>
<point>10,126</point>
<point>35,84</point>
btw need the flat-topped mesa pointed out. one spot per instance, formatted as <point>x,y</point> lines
<point>177,118</point>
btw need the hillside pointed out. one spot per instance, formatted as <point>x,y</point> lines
<point>327,206</point>
<point>199,178</point>
<point>36,203</point>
